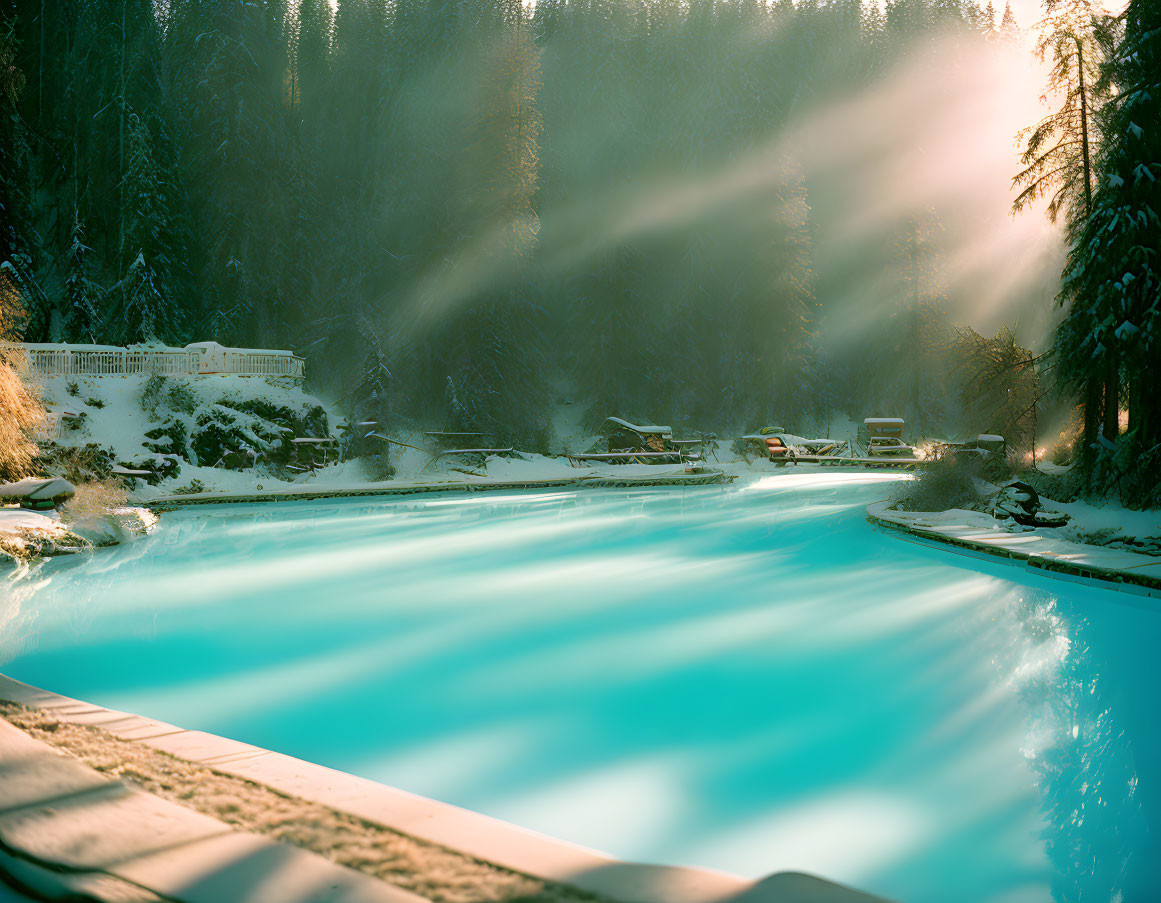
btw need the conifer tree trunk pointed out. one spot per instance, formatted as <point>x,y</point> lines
<point>1092,413</point>
<point>1095,388</point>
<point>1112,411</point>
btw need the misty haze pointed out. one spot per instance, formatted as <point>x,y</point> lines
<point>636,451</point>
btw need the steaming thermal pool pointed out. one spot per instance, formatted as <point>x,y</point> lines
<point>751,678</point>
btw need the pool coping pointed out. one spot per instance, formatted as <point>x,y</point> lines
<point>471,833</point>
<point>415,487</point>
<point>1125,578</point>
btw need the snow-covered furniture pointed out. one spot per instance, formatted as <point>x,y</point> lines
<point>37,494</point>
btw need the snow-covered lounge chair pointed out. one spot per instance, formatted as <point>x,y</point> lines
<point>770,443</point>
<point>630,443</point>
<point>884,438</point>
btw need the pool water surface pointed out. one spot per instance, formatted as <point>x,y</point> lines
<point>750,678</point>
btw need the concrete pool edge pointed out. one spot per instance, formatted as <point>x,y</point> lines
<point>480,836</point>
<point>1128,578</point>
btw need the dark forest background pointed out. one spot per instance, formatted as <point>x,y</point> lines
<point>458,211</point>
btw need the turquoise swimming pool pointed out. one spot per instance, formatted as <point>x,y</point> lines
<point>750,678</point>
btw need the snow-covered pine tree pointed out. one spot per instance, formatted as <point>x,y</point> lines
<point>1059,151</point>
<point>16,280</point>
<point>492,345</point>
<point>369,405</point>
<point>988,20</point>
<point>1113,277</point>
<point>902,367</point>
<point>1009,29</point>
<point>143,304</point>
<point>310,70</point>
<point>81,296</point>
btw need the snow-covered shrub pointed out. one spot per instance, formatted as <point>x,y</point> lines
<point>307,420</point>
<point>159,466</point>
<point>940,484</point>
<point>77,463</point>
<point>181,398</point>
<point>1060,487</point>
<point>1125,470</point>
<point>164,393</point>
<point>152,393</point>
<point>171,438</point>
<point>227,438</point>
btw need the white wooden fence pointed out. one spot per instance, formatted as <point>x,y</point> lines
<point>200,359</point>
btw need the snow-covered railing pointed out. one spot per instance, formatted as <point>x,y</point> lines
<point>201,358</point>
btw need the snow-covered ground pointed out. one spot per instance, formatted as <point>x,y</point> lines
<point>118,417</point>
<point>115,416</point>
<point>1112,525</point>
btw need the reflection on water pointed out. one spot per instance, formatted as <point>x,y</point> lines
<point>749,678</point>
<point>1087,682</point>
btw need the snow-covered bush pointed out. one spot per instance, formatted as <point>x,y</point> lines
<point>940,484</point>
<point>77,463</point>
<point>167,393</point>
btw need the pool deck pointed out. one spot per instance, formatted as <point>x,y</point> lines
<point>194,850</point>
<point>69,832</point>
<point>975,533</point>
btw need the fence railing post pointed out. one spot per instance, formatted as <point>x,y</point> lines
<point>62,360</point>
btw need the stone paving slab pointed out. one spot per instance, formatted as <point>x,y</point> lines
<point>450,826</point>
<point>196,746</point>
<point>245,867</point>
<point>27,776</point>
<point>43,883</point>
<point>68,831</point>
<point>96,829</point>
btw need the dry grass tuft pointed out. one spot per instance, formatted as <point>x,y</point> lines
<point>20,407</point>
<point>92,502</point>
<point>20,413</point>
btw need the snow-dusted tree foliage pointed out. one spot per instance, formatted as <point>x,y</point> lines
<point>1000,387</point>
<point>144,306</point>
<point>370,407</point>
<point>903,359</point>
<point>1058,150</point>
<point>517,200</point>
<point>81,296</point>
<point>1112,283</point>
